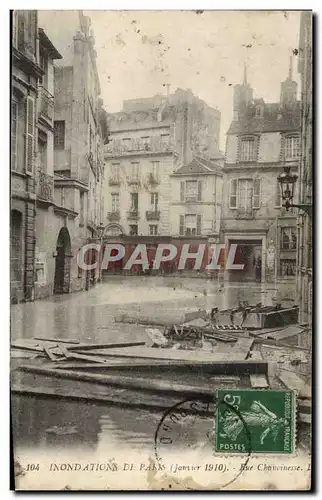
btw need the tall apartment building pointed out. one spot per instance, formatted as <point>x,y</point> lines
<point>305,247</point>
<point>79,134</point>
<point>26,72</point>
<point>261,139</point>
<point>149,140</point>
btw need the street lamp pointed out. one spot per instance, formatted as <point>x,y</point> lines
<point>287,182</point>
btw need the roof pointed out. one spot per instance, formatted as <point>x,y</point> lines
<point>45,42</point>
<point>275,118</point>
<point>199,166</point>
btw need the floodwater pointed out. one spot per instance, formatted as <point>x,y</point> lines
<point>88,316</point>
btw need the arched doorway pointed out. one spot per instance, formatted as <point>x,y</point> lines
<point>63,258</point>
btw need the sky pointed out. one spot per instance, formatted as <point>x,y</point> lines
<point>140,52</point>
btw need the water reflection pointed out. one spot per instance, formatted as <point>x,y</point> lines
<point>44,423</point>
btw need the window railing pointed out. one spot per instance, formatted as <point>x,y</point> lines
<point>114,215</point>
<point>133,213</point>
<point>156,145</point>
<point>46,104</point>
<point>153,215</point>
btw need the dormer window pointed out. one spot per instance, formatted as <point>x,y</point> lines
<point>292,147</point>
<point>258,111</point>
<point>248,149</point>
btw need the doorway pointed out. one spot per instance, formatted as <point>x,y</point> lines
<point>248,253</point>
<point>63,261</point>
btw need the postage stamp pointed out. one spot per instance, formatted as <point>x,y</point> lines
<point>260,421</point>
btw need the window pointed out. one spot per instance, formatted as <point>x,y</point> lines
<point>134,202</point>
<point>14,134</point>
<point>59,134</point>
<point>42,152</point>
<point>81,208</point>
<point>127,142</point>
<point>190,225</point>
<point>146,142</point>
<point>233,194</point>
<point>115,202</point>
<point>292,147</point>
<point>165,140</point>
<point>278,195</point>
<point>154,201</point>
<point>115,171</point>
<point>30,133</point>
<point>287,267</point>
<point>191,190</point>
<point>133,229</point>
<point>43,63</point>
<point>245,194</point>
<point>153,230</point>
<point>288,238</point>
<point>258,112</point>
<point>247,150</point>
<point>15,245</point>
<point>155,169</point>
<point>134,170</point>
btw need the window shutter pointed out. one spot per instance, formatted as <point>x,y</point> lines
<point>278,195</point>
<point>14,122</point>
<point>256,195</point>
<point>233,194</point>
<point>30,131</point>
<point>181,225</point>
<point>182,191</point>
<point>199,191</point>
<point>199,224</point>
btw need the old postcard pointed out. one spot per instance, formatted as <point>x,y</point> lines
<point>161,250</point>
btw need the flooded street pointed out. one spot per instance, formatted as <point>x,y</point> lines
<point>88,316</point>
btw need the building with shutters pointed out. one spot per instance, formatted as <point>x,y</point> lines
<point>196,198</point>
<point>70,147</point>
<point>149,140</point>
<point>305,247</point>
<point>26,72</point>
<point>261,139</point>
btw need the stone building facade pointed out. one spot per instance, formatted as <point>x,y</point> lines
<point>261,139</point>
<point>305,181</point>
<point>196,199</point>
<point>79,132</point>
<point>149,140</point>
<point>26,72</point>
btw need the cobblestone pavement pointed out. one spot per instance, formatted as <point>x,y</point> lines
<point>88,316</point>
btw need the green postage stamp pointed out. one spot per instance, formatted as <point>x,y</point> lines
<point>255,421</point>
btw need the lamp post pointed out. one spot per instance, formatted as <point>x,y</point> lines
<point>100,234</point>
<point>287,182</point>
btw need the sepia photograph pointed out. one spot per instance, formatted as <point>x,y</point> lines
<point>161,249</point>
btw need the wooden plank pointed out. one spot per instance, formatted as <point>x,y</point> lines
<point>258,381</point>
<point>242,347</point>
<point>84,357</point>
<point>64,341</point>
<point>224,368</point>
<point>174,354</point>
<point>294,382</point>
<point>89,347</point>
<point>24,347</point>
<point>50,354</point>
